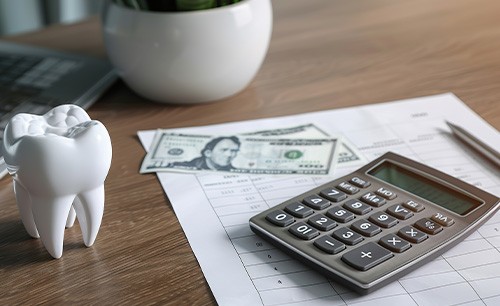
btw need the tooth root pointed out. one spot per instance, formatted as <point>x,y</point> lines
<point>24,204</point>
<point>89,210</point>
<point>71,217</point>
<point>50,215</point>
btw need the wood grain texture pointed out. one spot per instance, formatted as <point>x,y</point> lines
<point>324,54</point>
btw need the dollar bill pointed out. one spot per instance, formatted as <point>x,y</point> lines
<point>255,154</point>
<point>300,131</point>
<point>348,155</point>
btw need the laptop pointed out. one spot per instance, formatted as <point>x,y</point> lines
<point>34,80</point>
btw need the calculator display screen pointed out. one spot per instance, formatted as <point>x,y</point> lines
<point>425,188</point>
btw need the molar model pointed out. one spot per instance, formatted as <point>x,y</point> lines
<point>58,162</point>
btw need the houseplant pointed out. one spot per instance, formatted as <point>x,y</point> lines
<point>174,5</point>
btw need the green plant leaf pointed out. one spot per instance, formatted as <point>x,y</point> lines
<point>192,5</point>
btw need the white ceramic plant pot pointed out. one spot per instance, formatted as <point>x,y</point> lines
<point>188,57</point>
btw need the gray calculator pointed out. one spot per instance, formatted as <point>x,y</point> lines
<point>371,227</point>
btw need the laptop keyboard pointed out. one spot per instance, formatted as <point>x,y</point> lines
<point>22,78</point>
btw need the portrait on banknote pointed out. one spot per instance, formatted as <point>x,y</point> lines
<point>217,154</point>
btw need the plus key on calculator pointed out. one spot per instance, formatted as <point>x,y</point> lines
<point>376,224</point>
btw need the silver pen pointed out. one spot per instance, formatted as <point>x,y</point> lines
<point>487,151</point>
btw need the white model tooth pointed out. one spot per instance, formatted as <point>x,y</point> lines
<point>71,217</point>
<point>58,161</point>
<point>24,206</point>
<point>90,216</point>
<point>50,215</point>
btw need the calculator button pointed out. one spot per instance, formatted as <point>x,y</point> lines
<point>299,210</point>
<point>329,245</point>
<point>322,222</point>
<point>373,199</point>
<point>412,235</point>
<point>386,193</point>
<point>366,256</point>
<point>365,228</point>
<point>442,219</point>
<point>415,206</point>
<point>333,194</point>
<point>303,231</point>
<point>428,226</point>
<point>339,214</point>
<point>399,212</point>
<point>382,219</point>
<point>359,182</point>
<point>347,236</point>
<point>347,188</point>
<point>394,243</point>
<point>316,202</point>
<point>279,218</point>
<point>357,207</point>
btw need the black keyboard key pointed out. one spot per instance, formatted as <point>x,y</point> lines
<point>347,236</point>
<point>365,228</point>
<point>339,214</point>
<point>399,211</point>
<point>348,188</point>
<point>316,202</point>
<point>333,194</point>
<point>299,210</point>
<point>394,243</point>
<point>359,182</point>
<point>322,222</point>
<point>329,244</point>
<point>414,206</point>
<point>386,193</point>
<point>366,256</point>
<point>303,231</point>
<point>279,218</point>
<point>372,199</point>
<point>357,207</point>
<point>428,226</point>
<point>442,219</point>
<point>412,234</point>
<point>383,219</point>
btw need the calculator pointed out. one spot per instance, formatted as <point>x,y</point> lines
<point>378,223</point>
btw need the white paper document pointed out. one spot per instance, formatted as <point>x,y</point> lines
<point>243,269</point>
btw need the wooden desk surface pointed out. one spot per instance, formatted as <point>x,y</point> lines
<point>324,54</point>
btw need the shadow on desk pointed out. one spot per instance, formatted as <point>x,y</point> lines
<point>17,248</point>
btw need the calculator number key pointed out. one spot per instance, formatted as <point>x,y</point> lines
<point>412,234</point>
<point>357,207</point>
<point>279,218</point>
<point>394,243</point>
<point>329,245</point>
<point>322,222</point>
<point>372,199</point>
<point>316,202</point>
<point>303,231</point>
<point>428,226</point>
<point>382,219</point>
<point>333,194</point>
<point>365,228</point>
<point>347,236</point>
<point>399,211</point>
<point>299,210</point>
<point>366,256</point>
<point>340,215</point>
